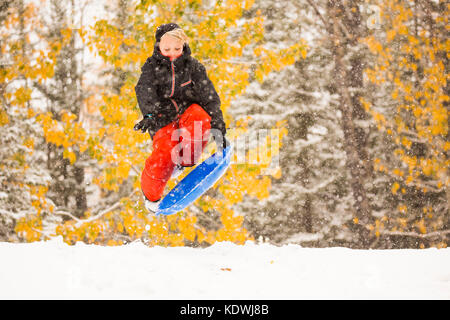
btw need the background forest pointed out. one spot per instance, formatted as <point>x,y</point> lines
<point>356,93</point>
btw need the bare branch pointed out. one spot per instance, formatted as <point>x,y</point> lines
<point>344,29</point>
<point>415,234</point>
<point>94,217</point>
<point>103,212</point>
<point>14,215</point>
<point>423,184</point>
<point>46,92</point>
<point>65,213</point>
<point>234,61</point>
<point>327,25</point>
<point>135,170</point>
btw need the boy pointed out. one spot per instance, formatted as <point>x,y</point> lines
<point>178,101</point>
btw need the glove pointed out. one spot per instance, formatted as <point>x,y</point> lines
<point>226,143</point>
<point>219,125</point>
<point>145,124</point>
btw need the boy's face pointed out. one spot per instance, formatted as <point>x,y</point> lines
<point>171,47</point>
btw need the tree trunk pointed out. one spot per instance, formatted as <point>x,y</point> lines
<point>354,138</point>
<point>67,188</point>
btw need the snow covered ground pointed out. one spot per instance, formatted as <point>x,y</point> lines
<point>54,270</point>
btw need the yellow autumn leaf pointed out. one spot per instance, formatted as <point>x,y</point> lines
<point>395,187</point>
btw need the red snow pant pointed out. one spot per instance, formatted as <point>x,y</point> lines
<point>180,142</point>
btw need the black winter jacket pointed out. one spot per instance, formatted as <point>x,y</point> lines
<point>167,88</point>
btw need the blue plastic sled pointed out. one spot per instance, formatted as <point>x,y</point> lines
<point>197,182</point>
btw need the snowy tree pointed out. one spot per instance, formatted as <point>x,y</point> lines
<point>297,95</point>
<point>409,103</point>
<point>65,96</point>
<point>323,169</point>
<point>345,27</point>
<point>23,175</point>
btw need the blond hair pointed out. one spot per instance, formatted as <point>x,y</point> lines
<point>177,34</point>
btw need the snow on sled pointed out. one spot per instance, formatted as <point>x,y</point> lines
<point>197,182</point>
